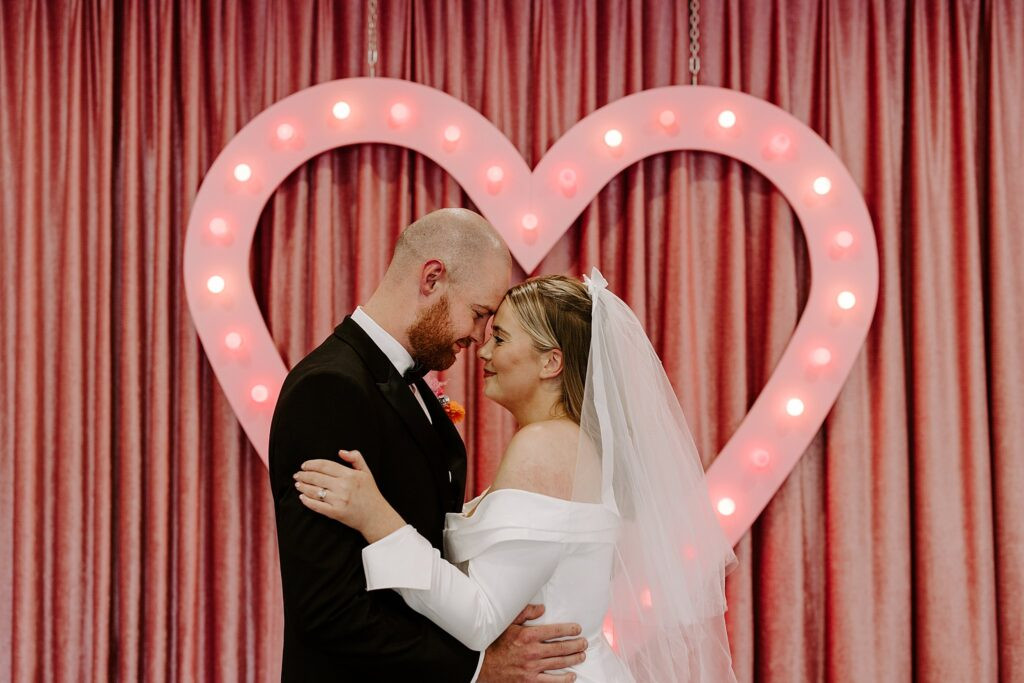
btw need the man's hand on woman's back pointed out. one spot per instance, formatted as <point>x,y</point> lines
<point>524,653</point>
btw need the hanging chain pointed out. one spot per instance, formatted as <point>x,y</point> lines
<point>694,40</point>
<point>371,38</point>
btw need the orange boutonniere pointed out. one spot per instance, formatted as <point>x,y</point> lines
<point>453,409</point>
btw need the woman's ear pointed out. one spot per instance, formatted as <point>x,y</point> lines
<point>552,365</point>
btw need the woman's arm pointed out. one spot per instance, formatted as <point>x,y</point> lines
<point>348,495</point>
<point>475,607</point>
<point>478,605</point>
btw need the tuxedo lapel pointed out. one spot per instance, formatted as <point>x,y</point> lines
<point>455,448</point>
<point>399,395</point>
<point>401,398</point>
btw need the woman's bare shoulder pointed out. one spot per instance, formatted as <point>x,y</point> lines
<point>541,458</point>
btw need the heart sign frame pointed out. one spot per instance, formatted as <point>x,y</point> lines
<point>532,209</point>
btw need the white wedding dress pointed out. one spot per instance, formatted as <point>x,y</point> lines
<point>509,548</point>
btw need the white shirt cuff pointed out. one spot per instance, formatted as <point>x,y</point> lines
<point>402,559</point>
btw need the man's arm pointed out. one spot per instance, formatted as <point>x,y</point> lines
<point>321,566</point>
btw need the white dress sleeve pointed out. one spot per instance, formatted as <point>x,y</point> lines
<point>507,550</point>
<point>475,607</point>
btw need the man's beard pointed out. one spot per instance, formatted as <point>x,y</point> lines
<point>431,337</point>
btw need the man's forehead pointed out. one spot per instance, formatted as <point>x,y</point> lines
<point>490,295</point>
<point>487,288</point>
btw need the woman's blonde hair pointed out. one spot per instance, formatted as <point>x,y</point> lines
<point>555,311</point>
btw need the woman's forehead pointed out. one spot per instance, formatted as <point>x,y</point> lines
<point>504,316</point>
<point>499,314</point>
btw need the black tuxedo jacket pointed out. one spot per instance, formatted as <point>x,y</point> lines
<point>346,394</point>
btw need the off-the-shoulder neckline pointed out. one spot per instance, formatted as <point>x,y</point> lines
<point>488,493</point>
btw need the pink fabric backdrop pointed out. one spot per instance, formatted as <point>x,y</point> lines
<point>136,528</point>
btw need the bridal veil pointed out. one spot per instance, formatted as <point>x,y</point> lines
<point>638,458</point>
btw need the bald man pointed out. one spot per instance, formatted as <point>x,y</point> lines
<point>362,389</point>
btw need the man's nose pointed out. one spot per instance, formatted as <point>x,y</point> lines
<point>478,332</point>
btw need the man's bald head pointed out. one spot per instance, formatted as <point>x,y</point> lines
<point>461,239</point>
<point>447,276</point>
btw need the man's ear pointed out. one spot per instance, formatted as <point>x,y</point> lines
<point>553,365</point>
<point>432,273</point>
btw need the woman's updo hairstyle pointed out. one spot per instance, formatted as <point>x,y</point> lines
<point>555,311</point>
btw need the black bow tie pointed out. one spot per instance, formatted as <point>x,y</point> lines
<point>414,373</point>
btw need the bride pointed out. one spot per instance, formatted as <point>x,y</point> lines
<point>599,509</point>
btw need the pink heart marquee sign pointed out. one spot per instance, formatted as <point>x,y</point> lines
<point>532,210</point>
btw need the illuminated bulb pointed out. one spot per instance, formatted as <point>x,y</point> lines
<point>726,506</point>
<point>285,132</point>
<point>452,134</point>
<point>689,552</point>
<point>215,284</point>
<point>243,172</point>
<point>530,221</point>
<point>399,113</point>
<point>795,407</point>
<point>645,597</point>
<point>822,185</point>
<point>844,239</point>
<point>760,457</point>
<point>341,110</point>
<point>259,393</point>
<point>233,340</point>
<point>219,227</point>
<point>613,138</point>
<point>667,118</point>
<point>779,144</point>
<point>727,119</point>
<point>846,300</point>
<point>821,356</point>
<point>495,174</point>
<point>567,179</point>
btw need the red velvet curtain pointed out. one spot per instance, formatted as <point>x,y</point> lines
<point>136,531</point>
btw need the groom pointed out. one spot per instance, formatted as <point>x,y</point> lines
<point>362,389</point>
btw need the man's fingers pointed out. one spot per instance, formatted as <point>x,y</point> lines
<point>556,678</point>
<point>561,648</point>
<point>529,613</point>
<point>556,663</point>
<point>552,631</point>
